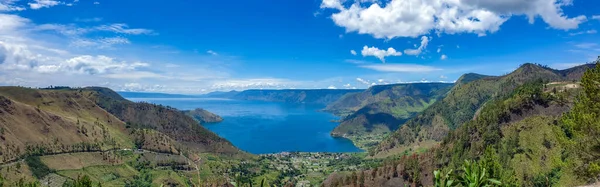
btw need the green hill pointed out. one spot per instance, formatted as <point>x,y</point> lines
<point>382,109</point>
<point>203,116</point>
<point>539,134</point>
<point>462,102</point>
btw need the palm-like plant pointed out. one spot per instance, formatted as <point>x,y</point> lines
<point>443,181</point>
<point>475,176</point>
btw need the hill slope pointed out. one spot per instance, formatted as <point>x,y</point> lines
<point>382,109</point>
<point>169,121</point>
<point>55,121</point>
<point>535,135</point>
<point>203,116</point>
<point>463,101</point>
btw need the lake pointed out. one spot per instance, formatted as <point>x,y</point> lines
<point>267,127</point>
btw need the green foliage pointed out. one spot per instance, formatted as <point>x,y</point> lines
<point>144,179</point>
<point>81,181</point>
<point>473,175</point>
<point>582,125</point>
<point>22,183</point>
<point>37,167</point>
<point>443,181</point>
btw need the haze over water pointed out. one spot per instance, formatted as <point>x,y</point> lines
<point>267,127</point>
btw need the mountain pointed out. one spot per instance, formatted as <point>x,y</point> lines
<point>203,116</point>
<point>97,128</point>
<point>463,101</point>
<point>220,94</point>
<point>382,109</point>
<point>318,96</point>
<point>539,134</point>
<point>94,112</point>
<point>153,95</point>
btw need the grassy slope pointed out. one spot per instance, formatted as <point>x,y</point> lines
<point>382,109</point>
<point>463,101</point>
<point>54,121</point>
<point>169,121</point>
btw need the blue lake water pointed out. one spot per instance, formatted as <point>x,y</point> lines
<point>267,127</point>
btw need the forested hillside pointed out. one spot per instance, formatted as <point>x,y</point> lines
<point>463,101</point>
<point>382,109</point>
<point>539,134</point>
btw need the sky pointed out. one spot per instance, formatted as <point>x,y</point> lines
<point>195,47</point>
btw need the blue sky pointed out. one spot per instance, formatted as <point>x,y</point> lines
<point>201,46</point>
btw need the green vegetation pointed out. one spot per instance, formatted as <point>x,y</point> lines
<point>38,168</point>
<point>203,116</point>
<point>472,175</point>
<point>380,110</point>
<point>465,101</point>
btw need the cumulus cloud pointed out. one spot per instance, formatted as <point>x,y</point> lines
<point>413,18</point>
<point>379,53</point>
<point>443,57</point>
<point>37,4</point>
<point>353,52</point>
<point>9,5</point>
<point>407,68</point>
<point>419,50</point>
<point>331,87</point>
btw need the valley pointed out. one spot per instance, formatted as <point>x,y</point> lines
<point>517,125</point>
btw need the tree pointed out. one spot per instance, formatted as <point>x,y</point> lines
<point>582,123</point>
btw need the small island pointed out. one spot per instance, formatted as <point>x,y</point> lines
<point>203,116</point>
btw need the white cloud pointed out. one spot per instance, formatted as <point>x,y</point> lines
<point>443,77</point>
<point>265,83</point>
<point>37,4</point>
<point>411,68</point>
<point>379,53</point>
<point>413,18</point>
<point>347,85</point>
<point>363,81</point>
<point>101,43</point>
<point>211,52</point>
<point>9,5</point>
<point>418,51</point>
<point>9,22</point>
<point>443,57</point>
<point>353,52</point>
<point>596,17</point>
<point>439,50</point>
<point>122,28</point>
<point>593,31</point>
<point>331,87</point>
